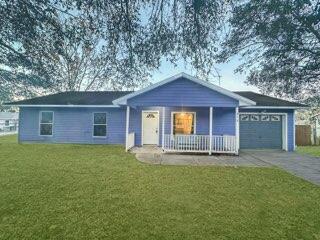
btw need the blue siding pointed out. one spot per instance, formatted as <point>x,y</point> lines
<point>224,121</point>
<point>290,114</point>
<point>73,125</point>
<point>183,92</point>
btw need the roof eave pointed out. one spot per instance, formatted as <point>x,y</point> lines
<point>65,106</point>
<point>276,107</point>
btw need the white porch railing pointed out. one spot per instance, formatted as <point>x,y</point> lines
<point>224,144</point>
<point>186,143</point>
<point>200,143</point>
<point>131,137</point>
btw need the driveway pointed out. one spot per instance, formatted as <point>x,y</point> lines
<point>306,167</point>
<point>303,166</point>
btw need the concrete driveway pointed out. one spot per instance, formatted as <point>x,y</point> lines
<point>306,167</point>
<point>303,166</point>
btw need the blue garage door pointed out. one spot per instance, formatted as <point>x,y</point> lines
<point>260,131</point>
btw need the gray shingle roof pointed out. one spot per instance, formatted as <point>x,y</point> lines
<point>263,100</point>
<point>75,98</point>
<point>106,98</point>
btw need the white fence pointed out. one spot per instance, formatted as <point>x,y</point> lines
<point>200,143</point>
<point>8,126</point>
<point>131,139</point>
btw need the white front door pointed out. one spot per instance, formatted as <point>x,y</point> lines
<point>150,127</point>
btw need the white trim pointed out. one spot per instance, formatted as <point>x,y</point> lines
<point>127,127</point>
<point>93,124</point>
<point>285,141</point>
<point>270,107</point>
<point>210,130</point>
<point>263,113</point>
<point>71,106</point>
<point>237,130</point>
<point>194,121</point>
<point>163,125</point>
<point>242,100</point>
<point>285,132</point>
<point>40,118</point>
<point>142,120</point>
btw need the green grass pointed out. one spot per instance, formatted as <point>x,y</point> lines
<point>311,150</point>
<point>101,192</point>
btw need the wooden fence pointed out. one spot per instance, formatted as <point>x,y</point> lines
<point>303,135</point>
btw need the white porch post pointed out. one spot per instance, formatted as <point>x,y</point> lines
<point>127,126</point>
<point>163,119</point>
<point>210,131</point>
<point>237,130</point>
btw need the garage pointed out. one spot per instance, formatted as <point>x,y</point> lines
<point>262,131</point>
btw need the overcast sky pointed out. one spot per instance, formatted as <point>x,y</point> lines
<point>229,79</point>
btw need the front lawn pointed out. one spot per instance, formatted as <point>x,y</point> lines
<point>101,192</point>
<point>311,150</point>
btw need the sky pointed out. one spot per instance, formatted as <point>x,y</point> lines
<point>229,80</point>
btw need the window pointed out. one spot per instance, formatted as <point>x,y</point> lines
<point>7,123</point>
<point>150,115</point>
<point>46,123</point>
<point>183,123</point>
<point>244,117</point>
<point>99,124</point>
<point>275,118</point>
<point>254,118</point>
<point>265,118</point>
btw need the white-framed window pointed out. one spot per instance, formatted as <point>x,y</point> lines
<point>7,122</point>
<point>99,124</point>
<point>183,123</point>
<point>254,117</point>
<point>46,123</point>
<point>275,118</point>
<point>265,118</point>
<point>244,117</point>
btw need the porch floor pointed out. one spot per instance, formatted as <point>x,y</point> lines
<point>155,155</point>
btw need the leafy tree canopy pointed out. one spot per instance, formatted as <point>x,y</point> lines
<point>48,46</point>
<point>280,41</point>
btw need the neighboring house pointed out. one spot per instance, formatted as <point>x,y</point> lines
<point>9,121</point>
<point>181,113</point>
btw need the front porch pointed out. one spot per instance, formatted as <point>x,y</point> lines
<point>207,129</point>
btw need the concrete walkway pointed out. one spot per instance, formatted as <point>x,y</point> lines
<point>154,155</point>
<point>306,167</point>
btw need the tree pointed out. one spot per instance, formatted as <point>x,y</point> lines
<point>84,64</point>
<point>280,40</point>
<point>49,46</point>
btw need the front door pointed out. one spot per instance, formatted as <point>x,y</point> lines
<point>150,127</point>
